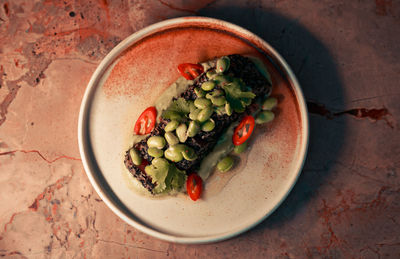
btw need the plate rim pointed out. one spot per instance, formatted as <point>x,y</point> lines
<point>83,140</point>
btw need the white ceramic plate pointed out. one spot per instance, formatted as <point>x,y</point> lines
<point>132,76</point>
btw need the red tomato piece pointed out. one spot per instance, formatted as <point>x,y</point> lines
<point>146,122</point>
<point>194,186</point>
<point>190,71</point>
<point>243,130</point>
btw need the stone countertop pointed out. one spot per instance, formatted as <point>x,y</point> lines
<point>346,56</point>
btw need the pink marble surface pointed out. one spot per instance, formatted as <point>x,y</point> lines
<point>345,54</point>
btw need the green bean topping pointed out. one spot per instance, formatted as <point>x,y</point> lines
<point>192,107</point>
<point>210,74</point>
<point>171,138</point>
<point>199,92</point>
<point>228,109</point>
<point>178,147</point>
<point>171,126</point>
<point>218,101</point>
<point>205,114</point>
<point>135,157</point>
<point>173,154</point>
<point>223,64</point>
<point>269,103</point>
<point>264,117</point>
<point>241,148</point>
<point>215,93</point>
<point>155,152</point>
<point>189,154</point>
<point>193,129</point>
<point>181,132</point>
<point>225,164</point>
<point>156,141</point>
<point>193,114</point>
<point>208,85</point>
<point>209,125</point>
<point>202,103</point>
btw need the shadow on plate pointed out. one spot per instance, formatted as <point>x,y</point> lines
<point>316,71</point>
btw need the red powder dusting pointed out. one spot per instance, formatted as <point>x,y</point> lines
<point>150,65</point>
<point>104,6</point>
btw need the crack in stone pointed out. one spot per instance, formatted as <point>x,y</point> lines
<point>177,8</point>
<point>360,113</point>
<point>132,246</point>
<point>181,9</point>
<point>39,64</point>
<point>40,154</point>
<point>12,253</point>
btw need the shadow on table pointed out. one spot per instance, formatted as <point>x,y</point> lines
<point>318,77</point>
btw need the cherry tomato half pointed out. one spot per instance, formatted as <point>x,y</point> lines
<point>243,130</point>
<point>190,71</point>
<point>147,120</point>
<point>194,186</point>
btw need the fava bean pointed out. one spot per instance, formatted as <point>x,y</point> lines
<point>209,125</point>
<point>135,157</point>
<point>264,117</point>
<point>181,132</point>
<point>225,164</point>
<point>155,152</point>
<point>199,92</point>
<point>171,126</point>
<point>205,114</point>
<point>210,74</point>
<point>228,109</point>
<point>173,155</point>
<point>202,103</point>
<point>223,64</point>
<point>269,103</point>
<point>171,138</point>
<point>215,93</point>
<point>156,141</point>
<point>240,148</point>
<point>192,107</point>
<point>218,101</point>
<point>193,129</point>
<point>189,154</point>
<point>193,114</point>
<point>208,86</point>
<point>178,148</point>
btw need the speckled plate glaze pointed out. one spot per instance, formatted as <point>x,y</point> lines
<point>133,75</point>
